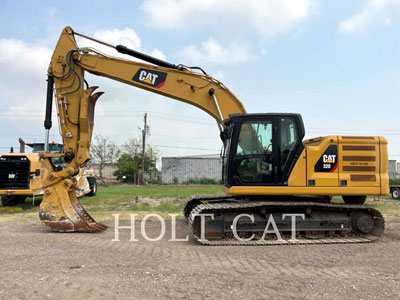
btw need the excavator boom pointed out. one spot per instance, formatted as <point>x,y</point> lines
<point>60,209</point>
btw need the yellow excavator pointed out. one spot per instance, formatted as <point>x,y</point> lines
<point>268,169</point>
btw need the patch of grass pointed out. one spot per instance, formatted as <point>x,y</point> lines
<point>155,192</point>
<point>387,209</point>
<point>337,199</point>
<point>123,200</point>
<point>202,180</point>
<point>26,212</point>
<point>10,210</point>
<point>169,208</point>
<point>113,196</point>
<point>21,208</point>
<point>129,199</point>
<point>143,200</point>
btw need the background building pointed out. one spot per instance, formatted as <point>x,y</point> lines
<point>191,167</point>
<point>398,169</point>
<point>108,171</point>
<point>393,169</point>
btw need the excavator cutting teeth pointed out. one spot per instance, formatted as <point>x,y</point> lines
<point>66,214</point>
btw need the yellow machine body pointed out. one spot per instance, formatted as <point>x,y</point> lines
<point>33,175</point>
<point>361,169</point>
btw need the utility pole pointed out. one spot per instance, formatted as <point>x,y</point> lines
<point>144,132</point>
<point>151,159</point>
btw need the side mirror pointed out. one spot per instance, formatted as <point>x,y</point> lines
<point>223,135</point>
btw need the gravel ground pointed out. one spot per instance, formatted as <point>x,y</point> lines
<point>38,264</point>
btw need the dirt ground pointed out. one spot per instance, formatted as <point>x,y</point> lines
<point>38,264</point>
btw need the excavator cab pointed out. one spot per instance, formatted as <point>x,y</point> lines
<point>261,149</point>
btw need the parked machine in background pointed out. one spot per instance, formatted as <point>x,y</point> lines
<point>395,191</point>
<point>22,174</point>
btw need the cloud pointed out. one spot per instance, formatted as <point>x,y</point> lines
<point>53,12</point>
<point>23,83</point>
<point>233,24</point>
<point>266,17</point>
<point>376,12</point>
<point>214,52</point>
<point>158,54</point>
<point>219,75</point>
<point>17,55</point>
<point>23,90</point>
<point>127,37</point>
<point>119,112</point>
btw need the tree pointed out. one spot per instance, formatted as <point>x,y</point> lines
<point>104,152</point>
<point>132,147</point>
<point>130,162</point>
<point>127,168</point>
<point>152,154</point>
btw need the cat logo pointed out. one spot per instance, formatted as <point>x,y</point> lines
<point>149,77</point>
<point>329,159</point>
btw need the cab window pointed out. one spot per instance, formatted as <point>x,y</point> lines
<point>255,138</point>
<point>287,141</point>
<point>253,160</point>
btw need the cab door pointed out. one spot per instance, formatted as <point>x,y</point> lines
<point>289,145</point>
<point>265,148</point>
<point>253,157</point>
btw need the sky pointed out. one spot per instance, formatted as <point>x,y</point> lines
<point>335,62</point>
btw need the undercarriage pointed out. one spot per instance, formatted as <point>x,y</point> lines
<point>238,220</point>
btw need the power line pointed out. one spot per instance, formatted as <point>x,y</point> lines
<point>187,120</point>
<point>178,147</point>
<point>326,132</point>
<point>125,116</point>
<point>330,133</point>
<point>125,135</point>
<point>160,146</point>
<point>13,135</point>
<point>162,135</point>
<point>167,146</point>
<point>101,114</point>
<point>174,117</point>
<point>312,128</point>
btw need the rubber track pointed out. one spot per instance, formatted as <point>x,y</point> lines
<point>218,204</point>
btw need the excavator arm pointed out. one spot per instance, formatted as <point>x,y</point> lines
<point>75,101</point>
